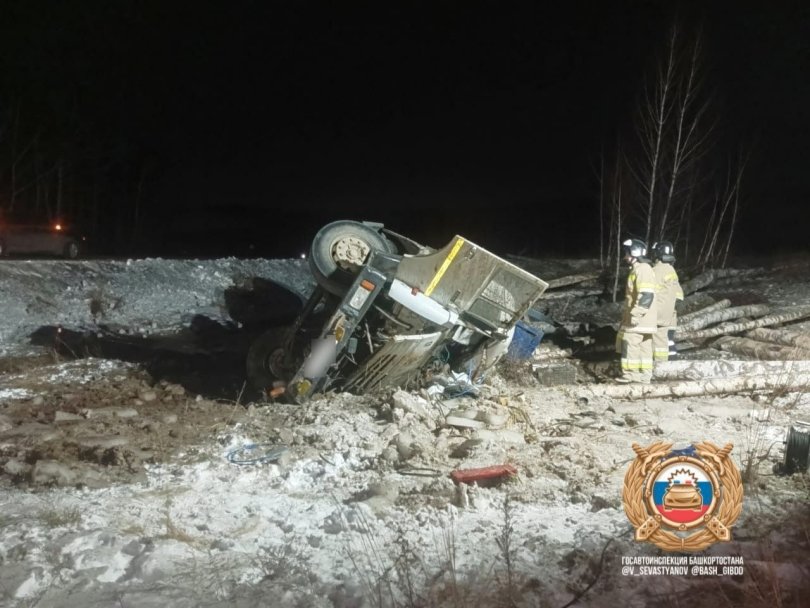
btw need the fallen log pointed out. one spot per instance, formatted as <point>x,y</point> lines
<point>697,388</point>
<point>707,369</point>
<point>572,279</point>
<point>719,305</point>
<point>716,368</point>
<point>705,279</point>
<point>693,303</point>
<point>699,282</point>
<point>760,350</point>
<point>793,314</point>
<point>718,316</point>
<point>573,293</point>
<point>781,336</point>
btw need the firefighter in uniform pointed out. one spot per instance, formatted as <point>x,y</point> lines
<point>635,338</point>
<point>669,292</point>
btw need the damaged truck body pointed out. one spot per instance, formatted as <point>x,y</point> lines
<point>388,311</point>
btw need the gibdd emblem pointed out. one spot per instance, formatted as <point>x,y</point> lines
<point>682,500</point>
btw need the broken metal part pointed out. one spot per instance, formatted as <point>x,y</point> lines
<point>483,474</point>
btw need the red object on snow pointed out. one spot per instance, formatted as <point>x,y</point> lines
<point>493,472</point>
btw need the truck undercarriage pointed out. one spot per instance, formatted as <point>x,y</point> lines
<point>388,311</point>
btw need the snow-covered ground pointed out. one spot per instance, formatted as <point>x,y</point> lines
<point>119,489</point>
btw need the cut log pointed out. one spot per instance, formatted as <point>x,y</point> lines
<point>705,279</point>
<point>572,279</point>
<point>699,282</point>
<point>781,336</point>
<point>712,386</point>
<point>715,368</point>
<point>718,316</point>
<point>572,293</point>
<point>693,303</point>
<point>761,350</point>
<point>720,305</point>
<point>738,273</point>
<point>793,314</point>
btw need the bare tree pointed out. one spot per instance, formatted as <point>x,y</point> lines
<point>691,134</point>
<point>670,163</point>
<point>710,251</point>
<point>653,118</point>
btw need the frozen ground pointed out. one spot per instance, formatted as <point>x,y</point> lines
<point>118,484</point>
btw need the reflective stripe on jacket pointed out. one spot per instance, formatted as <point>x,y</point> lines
<point>640,304</point>
<point>669,291</point>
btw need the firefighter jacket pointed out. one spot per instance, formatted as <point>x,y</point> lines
<point>639,314</point>
<point>669,291</point>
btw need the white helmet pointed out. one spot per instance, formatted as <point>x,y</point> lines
<point>635,248</point>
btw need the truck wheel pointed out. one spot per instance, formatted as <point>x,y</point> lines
<point>2,249</point>
<point>72,250</point>
<point>339,251</point>
<point>265,360</point>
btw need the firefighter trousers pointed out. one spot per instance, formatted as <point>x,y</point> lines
<point>636,353</point>
<point>664,344</point>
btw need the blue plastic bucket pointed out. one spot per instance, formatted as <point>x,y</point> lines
<point>524,341</point>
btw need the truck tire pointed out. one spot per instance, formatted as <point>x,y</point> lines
<point>264,360</point>
<point>340,249</point>
<point>71,250</point>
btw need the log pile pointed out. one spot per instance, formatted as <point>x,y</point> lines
<point>704,319</point>
<point>765,351</point>
<point>785,337</point>
<point>713,322</point>
<point>787,315</point>
<point>719,305</point>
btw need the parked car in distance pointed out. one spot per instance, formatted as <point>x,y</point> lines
<point>55,239</point>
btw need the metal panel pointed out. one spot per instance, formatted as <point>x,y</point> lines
<point>462,273</point>
<point>396,362</point>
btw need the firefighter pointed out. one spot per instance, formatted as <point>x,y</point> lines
<point>669,292</point>
<point>635,338</point>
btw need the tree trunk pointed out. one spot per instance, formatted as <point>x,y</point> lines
<point>713,386</point>
<point>705,279</point>
<point>718,316</point>
<point>572,279</point>
<point>717,368</point>
<point>761,350</point>
<point>781,336</point>
<point>720,305</point>
<point>701,281</point>
<point>794,314</point>
<point>572,293</point>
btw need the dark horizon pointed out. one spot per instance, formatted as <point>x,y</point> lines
<point>212,128</point>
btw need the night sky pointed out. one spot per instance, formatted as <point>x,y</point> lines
<point>253,123</point>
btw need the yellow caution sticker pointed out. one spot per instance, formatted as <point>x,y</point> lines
<point>443,268</point>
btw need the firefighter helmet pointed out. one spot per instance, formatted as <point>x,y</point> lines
<point>664,251</point>
<point>634,248</point>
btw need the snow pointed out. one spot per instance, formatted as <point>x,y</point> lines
<point>199,530</point>
<point>149,294</point>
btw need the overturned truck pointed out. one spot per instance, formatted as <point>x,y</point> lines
<point>388,311</point>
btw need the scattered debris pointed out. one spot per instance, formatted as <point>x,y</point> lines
<point>469,476</point>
